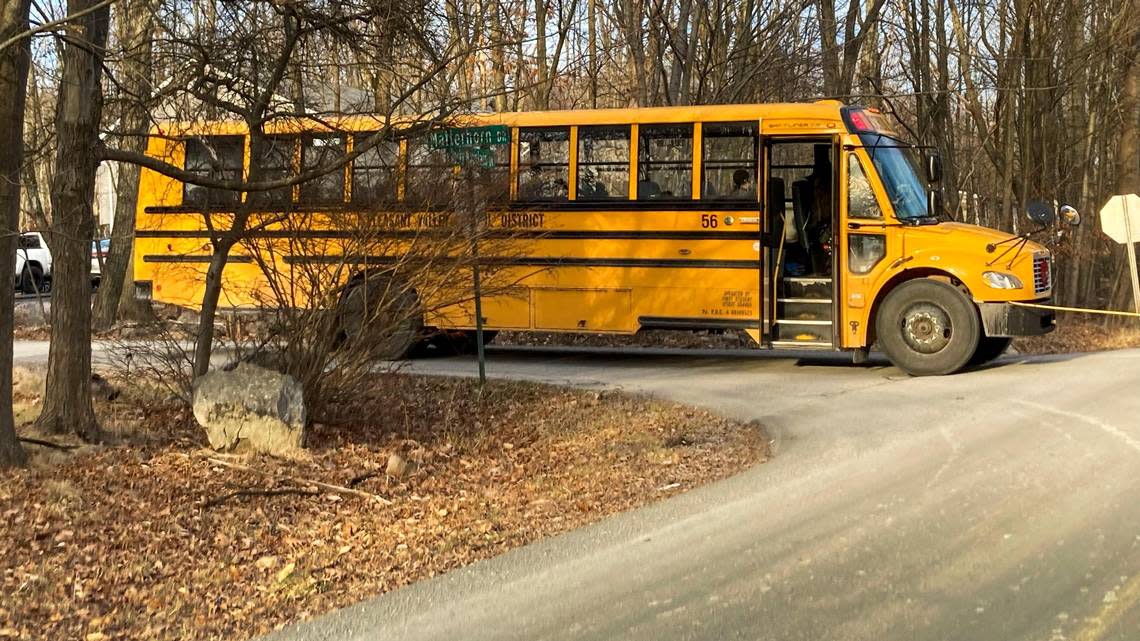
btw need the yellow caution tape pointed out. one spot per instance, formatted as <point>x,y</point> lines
<point>1081,310</point>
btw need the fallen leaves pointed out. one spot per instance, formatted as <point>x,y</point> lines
<point>1075,333</point>
<point>117,541</point>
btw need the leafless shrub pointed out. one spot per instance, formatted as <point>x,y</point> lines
<point>344,295</point>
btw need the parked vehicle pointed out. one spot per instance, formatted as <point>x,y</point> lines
<point>99,252</point>
<point>808,226</point>
<point>33,263</point>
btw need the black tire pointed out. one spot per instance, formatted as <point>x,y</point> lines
<point>32,280</point>
<point>381,317</point>
<point>989,348</point>
<point>488,337</point>
<point>458,343</point>
<point>928,328</point>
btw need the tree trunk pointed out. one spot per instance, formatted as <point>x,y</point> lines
<point>67,396</point>
<point>14,62</point>
<point>1128,154</point>
<point>592,45</point>
<point>539,90</point>
<point>204,342</point>
<point>135,78</point>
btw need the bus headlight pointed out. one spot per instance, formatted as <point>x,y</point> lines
<point>1002,280</point>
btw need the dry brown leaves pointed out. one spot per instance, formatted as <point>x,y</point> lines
<point>116,542</point>
<point>1078,334</point>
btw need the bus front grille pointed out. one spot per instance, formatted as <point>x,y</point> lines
<point>1042,274</point>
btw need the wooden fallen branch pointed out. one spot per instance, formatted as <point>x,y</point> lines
<point>257,491</point>
<point>327,487</point>
<point>43,443</point>
<point>360,478</point>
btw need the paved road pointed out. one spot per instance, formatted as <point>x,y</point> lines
<point>997,505</point>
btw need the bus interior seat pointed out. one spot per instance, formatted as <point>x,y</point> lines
<point>776,199</point>
<point>647,189</point>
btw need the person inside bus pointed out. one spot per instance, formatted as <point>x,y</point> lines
<point>742,185</point>
<point>818,223</point>
<point>540,185</point>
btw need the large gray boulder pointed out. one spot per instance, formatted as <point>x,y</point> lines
<point>251,406</point>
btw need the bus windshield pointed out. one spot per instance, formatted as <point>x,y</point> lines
<point>898,166</point>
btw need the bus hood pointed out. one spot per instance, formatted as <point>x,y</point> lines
<point>968,238</point>
<point>964,251</point>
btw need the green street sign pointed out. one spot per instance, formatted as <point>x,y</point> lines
<point>458,137</point>
<point>472,156</point>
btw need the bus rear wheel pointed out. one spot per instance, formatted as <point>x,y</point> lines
<point>380,317</point>
<point>928,328</point>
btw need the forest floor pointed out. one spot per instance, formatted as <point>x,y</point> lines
<point>155,537</point>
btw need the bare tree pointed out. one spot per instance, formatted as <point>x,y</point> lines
<point>115,297</point>
<point>67,398</point>
<point>14,62</point>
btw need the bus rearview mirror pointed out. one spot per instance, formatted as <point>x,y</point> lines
<point>933,167</point>
<point>1070,215</point>
<point>934,202</point>
<point>1040,213</point>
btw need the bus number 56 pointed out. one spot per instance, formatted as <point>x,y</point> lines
<point>708,221</point>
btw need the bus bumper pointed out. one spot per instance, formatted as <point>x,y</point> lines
<point>1003,319</point>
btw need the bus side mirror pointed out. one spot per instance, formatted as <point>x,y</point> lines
<point>1040,213</point>
<point>1070,215</point>
<point>934,202</point>
<point>933,167</point>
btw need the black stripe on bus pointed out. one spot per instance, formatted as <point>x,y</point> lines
<point>537,206</point>
<point>551,261</point>
<point>687,322</point>
<point>491,233</point>
<point>191,258</point>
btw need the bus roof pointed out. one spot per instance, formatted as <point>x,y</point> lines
<point>824,116</point>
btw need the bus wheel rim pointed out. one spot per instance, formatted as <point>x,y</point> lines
<point>927,328</point>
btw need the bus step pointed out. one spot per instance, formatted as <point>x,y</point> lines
<point>802,321</point>
<point>782,344</point>
<point>804,308</point>
<point>799,288</point>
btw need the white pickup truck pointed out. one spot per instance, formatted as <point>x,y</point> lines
<point>33,263</point>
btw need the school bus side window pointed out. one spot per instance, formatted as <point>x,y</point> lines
<point>429,175</point>
<point>318,151</point>
<point>861,201</point>
<point>544,164</point>
<point>728,159</point>
<point>603,162</point>
<point>374,178</point>
<point>217,157</point>
<point>665,162</point>
<point>276,163</point>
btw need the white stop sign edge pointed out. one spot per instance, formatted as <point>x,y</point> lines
<point>1112,221</point>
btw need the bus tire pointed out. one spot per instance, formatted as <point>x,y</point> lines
<point>989,348</point>
<point>459,343</point>
<point>928,328</point>
<point>380,317</point>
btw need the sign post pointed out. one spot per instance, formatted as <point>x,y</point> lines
<point>1120,220</point>
<point>471,147</point>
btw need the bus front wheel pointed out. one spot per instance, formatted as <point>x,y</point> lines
<point>928,328</point>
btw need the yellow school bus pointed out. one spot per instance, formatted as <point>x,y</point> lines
<point>809,226</point>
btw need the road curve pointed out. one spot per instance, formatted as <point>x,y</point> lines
<point>1001,504</point>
